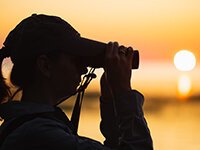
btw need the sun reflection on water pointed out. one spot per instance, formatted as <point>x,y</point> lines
<point>184,86</point>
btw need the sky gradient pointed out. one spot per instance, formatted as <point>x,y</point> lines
<point>158,29</point>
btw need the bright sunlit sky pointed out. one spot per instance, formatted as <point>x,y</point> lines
<point>157,28</point>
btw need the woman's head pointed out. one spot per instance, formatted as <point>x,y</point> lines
<point>33,41</point>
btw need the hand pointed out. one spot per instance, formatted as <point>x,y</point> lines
<point>118,65</point>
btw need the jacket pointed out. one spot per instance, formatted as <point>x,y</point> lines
<point>47,128</point>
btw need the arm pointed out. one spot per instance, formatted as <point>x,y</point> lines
<point>123,123</point>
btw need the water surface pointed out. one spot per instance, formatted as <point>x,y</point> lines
<point>174,125</point>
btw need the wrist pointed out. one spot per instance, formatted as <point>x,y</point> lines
<point>120,90</point>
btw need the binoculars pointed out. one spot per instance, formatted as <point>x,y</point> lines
<point>95,54</point>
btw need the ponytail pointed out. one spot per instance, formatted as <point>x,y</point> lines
<point>4,88</point>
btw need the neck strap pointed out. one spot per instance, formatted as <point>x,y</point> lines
<point>81,90</point>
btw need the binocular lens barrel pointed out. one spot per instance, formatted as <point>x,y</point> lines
<point>93,52</point>
<point>97,60</point>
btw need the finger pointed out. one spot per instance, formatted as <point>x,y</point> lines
<point>109,49</point>
<point>122,50</point>
<point>115,49</point>
<point>130,54</point>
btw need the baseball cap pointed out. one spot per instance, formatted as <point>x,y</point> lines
<point>41,33</point>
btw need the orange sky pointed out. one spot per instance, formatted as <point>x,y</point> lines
<point>157,28</point>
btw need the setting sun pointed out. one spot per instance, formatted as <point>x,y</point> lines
<point>184,60</point>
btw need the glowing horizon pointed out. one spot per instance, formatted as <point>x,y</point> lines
<point>158,29</point>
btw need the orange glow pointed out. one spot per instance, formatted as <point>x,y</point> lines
<point>156,28</point>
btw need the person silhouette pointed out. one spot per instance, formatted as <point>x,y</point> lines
<point>47,67</point>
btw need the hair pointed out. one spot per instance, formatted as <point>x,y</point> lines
<point>4,88</point>
<point>22,74</point>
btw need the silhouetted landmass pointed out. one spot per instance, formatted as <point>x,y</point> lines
<point>151,105</point>
<point>92,94</point>
<point>194,98</point>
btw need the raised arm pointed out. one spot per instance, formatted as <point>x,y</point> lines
<point>123,124</point>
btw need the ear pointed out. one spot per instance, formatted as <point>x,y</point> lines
<point>44,65</point>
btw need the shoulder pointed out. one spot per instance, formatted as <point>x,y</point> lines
<point>47,133</point>
<point>41,125</point>
<point>40,132</point>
